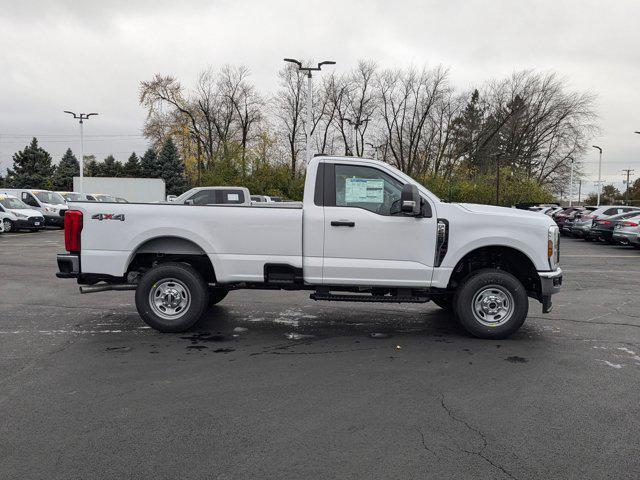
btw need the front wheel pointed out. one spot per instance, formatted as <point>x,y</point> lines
<point>172,297</point>
<point>491,303</point>
<point>8,225</point>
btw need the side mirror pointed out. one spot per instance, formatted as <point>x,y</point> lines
<point>410,201</point>
<point>188,202</point>
<point>171,198</point>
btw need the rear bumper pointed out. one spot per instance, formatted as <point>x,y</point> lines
<point>68,265</point>
<point>550,284</point>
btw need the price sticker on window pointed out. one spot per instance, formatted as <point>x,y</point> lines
<point>364,190</point>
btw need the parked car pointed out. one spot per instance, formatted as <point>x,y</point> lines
<point>627,232</point>
<point>76,197</point>
<point>213,196</point>
<point>365,232</point>
<point>18,215</point>
<point>581,227</point>
<point>50,204</point>
<point>561,216</point>
<point>569,220</point>
<point>603,228</point>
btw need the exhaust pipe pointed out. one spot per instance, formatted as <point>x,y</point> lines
<point>106,287</point>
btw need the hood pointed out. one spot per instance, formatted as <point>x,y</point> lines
<point>56,206</point>
<point>526,217</point>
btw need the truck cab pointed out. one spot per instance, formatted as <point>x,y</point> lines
<point>365,232</point>
<point>213,196</point>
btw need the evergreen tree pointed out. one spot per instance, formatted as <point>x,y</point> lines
<point>132,167</point>
<point>110,167</point>
<point>149,164</point>
<point>171,168</point>
<point>68,168</point>
<point>32,168</point>
<point>91,167</point>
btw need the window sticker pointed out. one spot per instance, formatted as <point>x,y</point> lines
<point>233,197</point>
<point>364,190</point>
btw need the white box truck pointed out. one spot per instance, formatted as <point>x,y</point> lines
<point>136,190</point>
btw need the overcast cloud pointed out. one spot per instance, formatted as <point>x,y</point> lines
<point>91,56</point>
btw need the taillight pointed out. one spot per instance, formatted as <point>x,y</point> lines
<point>72,230</point>
<point>627,223</point>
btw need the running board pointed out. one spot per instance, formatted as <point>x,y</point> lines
<point>368,298</point>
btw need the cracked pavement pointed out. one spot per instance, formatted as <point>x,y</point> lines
<point>88,391</point>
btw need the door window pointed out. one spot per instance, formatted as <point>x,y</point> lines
<point>29,200</point>
<point>367,188</point>
<point>203,197</point>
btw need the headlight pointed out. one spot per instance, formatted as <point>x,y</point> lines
<point>21,215</point>
<point>49,209</point>
<point>553,246</point>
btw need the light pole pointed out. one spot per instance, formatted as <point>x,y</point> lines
<point>356,124</point>
<point>81,117</point>
<point>599,171</point>
<point>571,182</point>
<point>375,149</point>
<point>628,171</point>
<point>308,71</point>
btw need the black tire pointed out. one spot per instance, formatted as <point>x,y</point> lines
<point>445,302</point>
<point>216,295</point>
<point>8,226</point>
<point>492,283</point>
<point>35,229</point>
<point>181,283</point>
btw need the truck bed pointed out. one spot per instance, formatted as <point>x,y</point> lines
<point>239,240</point>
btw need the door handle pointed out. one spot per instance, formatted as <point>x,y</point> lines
<point>343,223</point>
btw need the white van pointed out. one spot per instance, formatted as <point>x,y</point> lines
<point>18,216</point>
<point>50,204</point>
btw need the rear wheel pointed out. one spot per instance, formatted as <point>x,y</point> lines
<point>172,297</point>
<point>491,303</point>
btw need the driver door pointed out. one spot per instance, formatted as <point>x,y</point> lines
<point>367,241</point>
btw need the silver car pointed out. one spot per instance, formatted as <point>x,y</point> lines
<point>626,232</point>
<point>582,226</point>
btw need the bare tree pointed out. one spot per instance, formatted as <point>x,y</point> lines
<point>288,109</point>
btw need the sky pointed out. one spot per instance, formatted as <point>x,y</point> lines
<point>92,55</point>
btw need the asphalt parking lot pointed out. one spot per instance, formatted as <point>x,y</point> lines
<point>88,391</point>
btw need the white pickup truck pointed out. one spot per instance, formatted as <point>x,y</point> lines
<point>365,232</point>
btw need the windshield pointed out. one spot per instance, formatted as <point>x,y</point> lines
<point>13,203</point>
<point>72,197</point>
<point>50,197</point>
<point>105,198</point>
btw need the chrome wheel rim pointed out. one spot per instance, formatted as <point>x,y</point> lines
<point>170,299</point>
<point>493,306</point>
<point>7,226</point>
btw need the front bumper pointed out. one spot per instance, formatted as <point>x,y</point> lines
<point>54,220</point>
<point>550,284</point>
<point>625,237</point>
<point>28,223</point>
<point>69,265</point>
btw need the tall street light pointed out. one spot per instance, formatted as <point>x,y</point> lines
<point>356,124</point>
<point>599,171</point>
<point>308,71</point>
<point>571,182</point>
<point>81,117</point>
<point>375,149</point>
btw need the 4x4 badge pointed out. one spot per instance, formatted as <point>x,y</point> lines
<point>109,216</point>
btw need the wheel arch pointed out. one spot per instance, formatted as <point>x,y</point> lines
<point>170,248</point>
<point>501,257</point>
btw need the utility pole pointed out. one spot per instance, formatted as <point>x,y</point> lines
<point>579,190</point>
<point>308,128</point>
<point>629,171</point>
<point>571,183</point>
<point>498,155</point>
<point>81,117</point>
<point>599,171</point>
